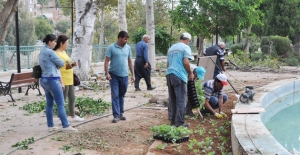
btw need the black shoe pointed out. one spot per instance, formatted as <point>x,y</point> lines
<point>151,88</point>
<point>122,118</point>
<point>115,120</point>
<point>137,89</point>
<point>190,114</point>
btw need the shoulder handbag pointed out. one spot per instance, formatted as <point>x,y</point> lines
<point>36,71</point>
<point>76,80</point>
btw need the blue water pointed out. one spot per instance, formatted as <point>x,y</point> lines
<point>285,127</point>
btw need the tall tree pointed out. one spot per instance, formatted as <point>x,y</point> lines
<point>151,32</point>
<point>26,26</point>
<point>86,11</point>
<point>62,26</point>
<point>6,15</point>
<point>206,17</point>
<point>122,15</point>
<point>42,28</point>
<point>102,5</point>
<point>281,17</point>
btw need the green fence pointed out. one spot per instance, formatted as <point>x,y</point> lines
<point>29,55</point>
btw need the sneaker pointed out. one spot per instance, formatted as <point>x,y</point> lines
<point>69,129</point>
<point>76,119</point>
<point>122,118</point>
<point>50,129</point>
<point>138,89</point>
<point>115,120</point>
<point>151,88</point>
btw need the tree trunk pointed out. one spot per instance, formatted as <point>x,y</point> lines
<point>202,45</point>
<point>7,20</point>
<point>101,26</point>
<point>86,11</point>
<point>6,10</point>
<point>215,40</point>
<point>247,41</point>
<point>122,15</point>
<point>151,32</point>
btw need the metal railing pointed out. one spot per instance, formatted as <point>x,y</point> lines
<point>29,55</point>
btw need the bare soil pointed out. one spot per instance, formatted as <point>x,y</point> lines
<point>99,136</point>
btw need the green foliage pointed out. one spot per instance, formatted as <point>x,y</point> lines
<point>235,48</point>
<point>62,26</point>
<point>280,18</point>
<point>203,16</point>
<point>200,93</point>
<point>24,144</point>
<point>162,38</point>
<point>85,106</point>
<point>89,106</point>
<point>292,61</point>
<point>245,63</point>
<point>171,133</point>
<point>161,146</point>
<point>26,29</point>
<point>276,46</point>
<point>34,107</point>
<point>136,14</point>
<point>42,28</point>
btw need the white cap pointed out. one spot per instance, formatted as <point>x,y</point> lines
<point>186,35</point>
<point>222,78</point>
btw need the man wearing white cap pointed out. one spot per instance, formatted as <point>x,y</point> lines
<point>178,74</point>
<point>214,96</point>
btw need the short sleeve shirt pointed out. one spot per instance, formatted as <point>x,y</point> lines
<point>210,89</point>
<point>118,59</point>
<point>176,54</point>
<point>66,74</point>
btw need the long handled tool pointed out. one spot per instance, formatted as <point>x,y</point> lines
<point>227,79</point>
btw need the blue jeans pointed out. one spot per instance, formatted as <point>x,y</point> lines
<point>177,99</point>
<point>213,102</point>
<point>118,87</point>
<point>216,72</point>
<point>54,92</point>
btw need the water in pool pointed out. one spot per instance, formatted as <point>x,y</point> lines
<point>285,127</point>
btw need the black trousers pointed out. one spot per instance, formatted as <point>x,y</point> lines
<point>141,72</point>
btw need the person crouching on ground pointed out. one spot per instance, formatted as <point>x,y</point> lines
<point>199,73</point>
<point>52,84</point>
<point>67,72</point>
<point>119,54</point>
<point>214,96</point>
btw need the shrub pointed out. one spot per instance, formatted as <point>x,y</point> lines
<point>162,38</point>
<point>292,61</point>
<point>235,47</point>
<point>276,46</point>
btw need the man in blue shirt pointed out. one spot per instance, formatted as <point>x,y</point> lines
<point>142,67</point>
<point>119,56</point>
<point>217,50</point>
<point>178,73</point>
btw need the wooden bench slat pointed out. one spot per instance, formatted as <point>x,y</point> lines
<point>19,80</point>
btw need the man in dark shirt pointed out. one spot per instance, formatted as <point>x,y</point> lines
<point>217,50</point>
<point>142,67</point>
